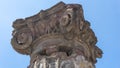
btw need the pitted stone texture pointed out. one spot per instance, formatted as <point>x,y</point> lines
<point>55,62</point>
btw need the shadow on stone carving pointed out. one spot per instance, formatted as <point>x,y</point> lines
<point>58,37</point>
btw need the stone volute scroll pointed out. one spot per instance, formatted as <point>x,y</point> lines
<point>58,37</point>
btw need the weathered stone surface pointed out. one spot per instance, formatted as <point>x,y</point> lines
<point>58,37</point>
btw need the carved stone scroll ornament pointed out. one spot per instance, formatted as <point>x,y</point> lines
<point>58,37</point>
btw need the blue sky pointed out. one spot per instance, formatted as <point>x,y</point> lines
<point>104,16</point>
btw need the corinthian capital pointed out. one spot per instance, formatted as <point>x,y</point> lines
<point>58,37</point>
